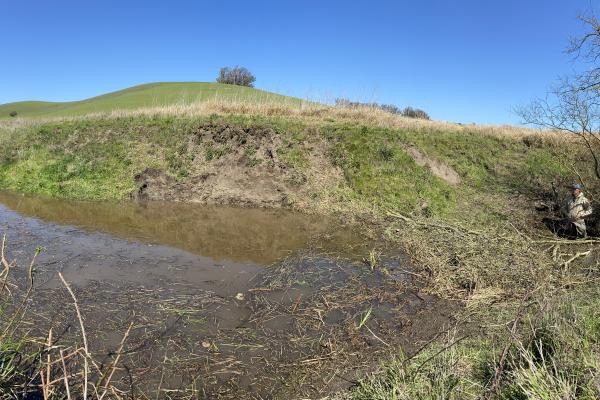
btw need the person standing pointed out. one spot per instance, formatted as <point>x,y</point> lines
<point>578,207</point>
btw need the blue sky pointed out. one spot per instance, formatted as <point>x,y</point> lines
<point>464,61</point>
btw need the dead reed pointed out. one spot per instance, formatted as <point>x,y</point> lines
<point>47,368</point>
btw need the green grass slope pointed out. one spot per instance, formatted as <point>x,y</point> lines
<point>148,95</point>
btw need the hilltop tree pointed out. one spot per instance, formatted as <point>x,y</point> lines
<point>236,76</point>
<point>573,104</point>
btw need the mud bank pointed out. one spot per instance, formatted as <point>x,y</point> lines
<point>244,166</point>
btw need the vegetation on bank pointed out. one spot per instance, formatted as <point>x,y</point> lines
<point>554,354</point>
<point>98,157</point>
<point>481,242</point>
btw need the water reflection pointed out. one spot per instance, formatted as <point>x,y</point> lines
<point>222,233</point>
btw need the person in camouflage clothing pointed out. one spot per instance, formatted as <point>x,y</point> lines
<point>576,210</point>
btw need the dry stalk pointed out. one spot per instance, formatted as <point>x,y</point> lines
<point>84,337</point>
<point>66,379</point>
<point>453,228</point>
<point>46,382</point>
<point>575,257</point>
<point>447,347</point>
<point>16,315</point>
<point>6,266</point>
<point>499,370</point>
<point>571,242</point>
<point>112,368</point>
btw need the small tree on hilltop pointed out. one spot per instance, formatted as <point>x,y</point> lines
<point>236,76</point>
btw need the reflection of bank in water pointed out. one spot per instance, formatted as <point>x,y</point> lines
<point>260,236</point>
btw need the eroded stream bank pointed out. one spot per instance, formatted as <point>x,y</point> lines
<point>225,302</point>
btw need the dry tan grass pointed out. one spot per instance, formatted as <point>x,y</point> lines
<point>305,111</point>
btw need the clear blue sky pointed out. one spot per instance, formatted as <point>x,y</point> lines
<point>464,61</point>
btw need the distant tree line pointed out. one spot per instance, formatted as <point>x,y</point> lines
<point>390,108</point>
<point>236,76</point>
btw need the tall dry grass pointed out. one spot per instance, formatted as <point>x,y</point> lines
<point>304,111</point>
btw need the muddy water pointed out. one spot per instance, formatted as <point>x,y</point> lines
<point>260,236</point>
<point>213,247</point>
<point>225,302</point>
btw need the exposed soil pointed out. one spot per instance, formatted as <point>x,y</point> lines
<point>233,165</point>
<point>437,167</point>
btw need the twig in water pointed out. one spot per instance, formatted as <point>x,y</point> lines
<point>85,344</point>
<point>364,318</point>
<point>113,366</point>
<point>375,336</point>
<point>66,380</point>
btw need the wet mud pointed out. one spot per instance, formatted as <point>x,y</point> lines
<point>225,303</point>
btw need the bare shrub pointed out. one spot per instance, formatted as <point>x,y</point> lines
<point>572,105</point>
<point>389,108</point>
<point>415,113</point>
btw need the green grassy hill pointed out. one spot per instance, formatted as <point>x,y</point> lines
<point>148,95</point>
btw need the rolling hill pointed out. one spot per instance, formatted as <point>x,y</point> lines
<point>147,95</point>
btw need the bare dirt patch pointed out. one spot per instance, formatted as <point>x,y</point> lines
<point>242,166</point>
<point>437,167</point>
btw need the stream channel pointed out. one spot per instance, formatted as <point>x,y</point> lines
<point>225,302</point>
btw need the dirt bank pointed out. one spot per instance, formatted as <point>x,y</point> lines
<point>245,166</point>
